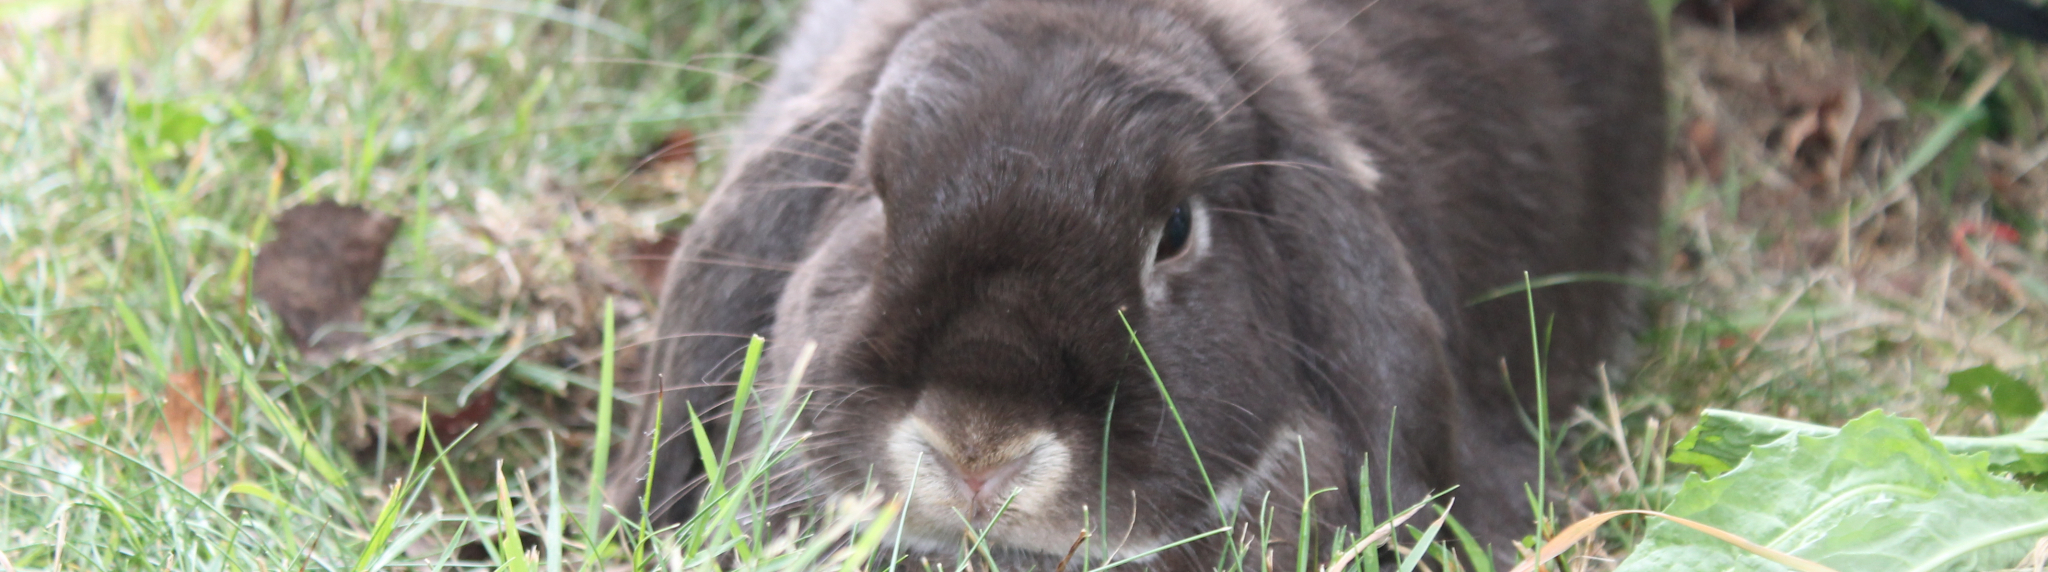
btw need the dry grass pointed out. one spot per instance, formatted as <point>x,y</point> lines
<point>1816,197</point>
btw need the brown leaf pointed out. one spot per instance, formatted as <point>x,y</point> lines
<point>649,261</point>
<point>679,146</point>
<point>448,426</point>
<point>1827,120</point>
<point>403,423</point>
<point>315,273</point>
<point>175,438</point>
<point>1705,153</point>
<point>666,170</point>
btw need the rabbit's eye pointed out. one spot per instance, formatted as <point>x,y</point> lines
<point>1174,237</point>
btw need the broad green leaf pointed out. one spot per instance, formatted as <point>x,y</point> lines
<point>1988,387</point>
<point>1723,437</point>
<point>166,122</point>
<point>1879,494</point>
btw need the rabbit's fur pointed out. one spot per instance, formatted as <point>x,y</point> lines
<point>961,202</point>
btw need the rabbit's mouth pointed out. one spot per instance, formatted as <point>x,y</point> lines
<point>959,481</point>
<point>976,472</point>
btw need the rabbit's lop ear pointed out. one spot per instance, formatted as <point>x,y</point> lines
<point>1371,341</point>
<point>1273,70</point>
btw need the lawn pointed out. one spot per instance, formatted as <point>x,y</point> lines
<point>1855,212</point>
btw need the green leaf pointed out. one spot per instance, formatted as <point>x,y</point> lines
<point>1723,437</point>
<point>167,122</point>
<point>1878,494</point>
<point>1987,387</point>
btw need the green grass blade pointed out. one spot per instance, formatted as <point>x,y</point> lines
<point>510,549</point>
<point>1423,542</point>
<point>601,445</point>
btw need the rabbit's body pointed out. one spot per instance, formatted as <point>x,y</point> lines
<point>1291,202</point>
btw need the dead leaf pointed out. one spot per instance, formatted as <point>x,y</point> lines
<point>177,446</point>
<point>448,426</point>
<point>315,273</point>
<point>1827,119</point>
<point>403,422</point>
<point>649,261</point>
<point>1705,153</point>
<point>677,147</point>
<point>663,172</point>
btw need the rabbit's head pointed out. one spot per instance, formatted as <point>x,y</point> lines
<point>1046,182</point>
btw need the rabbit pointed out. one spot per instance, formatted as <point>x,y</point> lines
<point>1155,268</point>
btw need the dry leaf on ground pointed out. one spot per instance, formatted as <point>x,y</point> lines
<point>448,426</point>
<point>175,438</point>
<point>664,171</point>
<point>649,261</point>
<point>315,273</point>
<point>679,146</point>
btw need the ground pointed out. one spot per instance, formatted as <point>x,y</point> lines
<point>1855,212</point>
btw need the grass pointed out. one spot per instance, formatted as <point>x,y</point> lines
<point>148,144</point>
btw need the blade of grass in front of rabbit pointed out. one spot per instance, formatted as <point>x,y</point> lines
<point>1536,504</point>
<point>1222,515</point>
<point>601,445</point>
<point>714,472</point>
<point>896,552</point>
<point>647,492</point>
<point>722,506</point>
<point>780,413</point>
<point>733,426</point>
<point>1170,407</point>
<point>722,500</point>
<point>1365,520</point>
<point>756,480</point>
<point>1422,543</point>
<point>763,465</point>
<point>766,455</point>
<point>1243,534</point>
<point>1302,552</point>
<point>1480,555</point>
<point>1102,484</point>
<point>1159,549</point>
<point>980,535</point>
<point>1382,533</point>
<point>748,369</point>
<point>1393,424</point>
<point>871,539</point>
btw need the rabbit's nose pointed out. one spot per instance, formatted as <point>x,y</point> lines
<point>990,478</point>
<point>975,468</point>
<point>982,463</point>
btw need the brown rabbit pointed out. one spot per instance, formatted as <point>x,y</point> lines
<point>1293,204</point>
